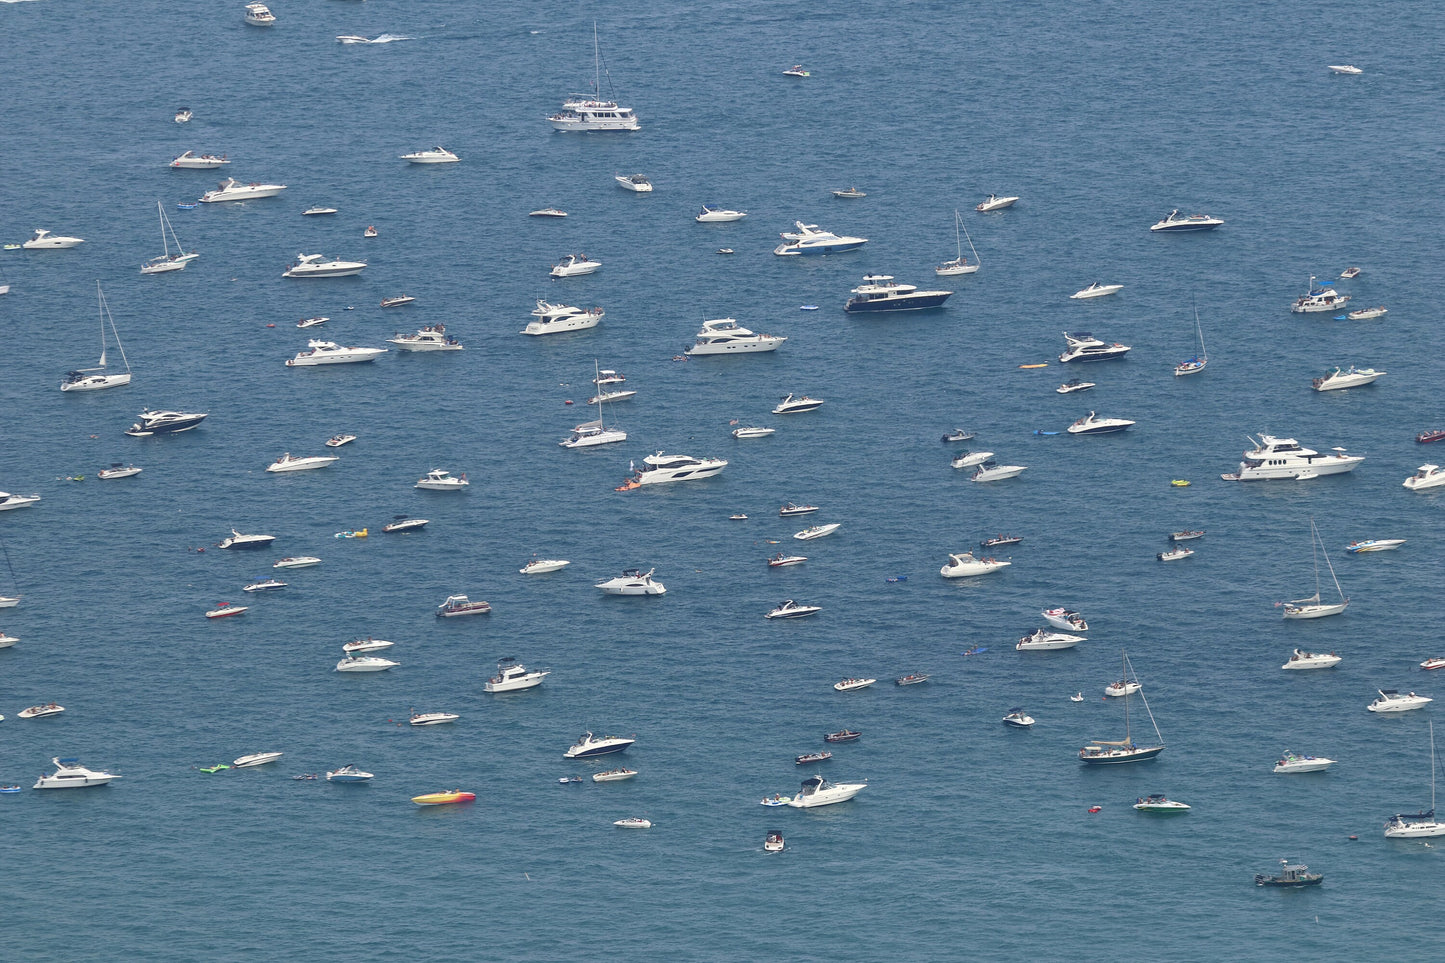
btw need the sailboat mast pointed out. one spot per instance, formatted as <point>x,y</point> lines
<point>106,317</point>
<point>1128,732</point>
<point>1328,565</point>
<point>165,247</point>
<point>596,63</point>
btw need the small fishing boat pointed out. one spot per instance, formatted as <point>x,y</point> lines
<point>1426,437</point>
<point>444,798</point>
<point>808,758</point>
<point>849,193</point>
<point>1174,554</point>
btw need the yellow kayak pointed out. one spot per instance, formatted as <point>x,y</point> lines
<point>443,798</point>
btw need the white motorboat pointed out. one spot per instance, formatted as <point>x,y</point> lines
<point>1274,458</point>
<point>1374,545</point>
<point>184,115</point>
<point>513,676</point>
<point>225,610</point>
<point>318,211</point>
<point>1174,554</point>
<point>1350,377</point>
<point>797,71</point>
<point>100,377</point>
<point>726,336</point>
<point>367,644</point>
<point>43,240</point>
<point>329,352</point>
<point>317,266</point>
<point>718,215</point>
<point>1083,346</point>
<point>995,203</point>
<point>792,610</point>
<point>348,773</point>
<point>1018,718</point>
<point>1433,663</point>
<point>1117,690</point>
<point>541,566</point>
<point>1074,384</point>
<point>634,182</point>
<point>552,318</point>
<point>1367,314</point>
<point>1313,607</point>
<point>959,264</point>
<point>958,434</point>
<point>297,561</point>
<point>1042,640</point>
<point>817,531</point>
<point>1423,824</point>
<point>336,441</point>
<point>190,160</point>
<point>290,462</point>
<point>1318,299</point>
<point>660,469</point>
<point>589,745</point>
<point>458,605</point>
<point>633,822</point>
<point>1429,476</point>
<point>1175,222</point>
<point>613,775</point>
<point>1391,700</point>
<point>1349,273</point>
<point>1160,803</point>
<point>1092,424</point>
<point>817,791</point>
<point>432,718</point>
<point>790,510</point>
<point>237,540</point>
<point>809,240</point>
<point>574,265</point>
<point>752,431</point>
<point>1311,660</point>
<point>1105,752</point>
<point>264,585</point>
<point>879,292</point>
<point>849,193</point>
<point>849,685</point>
<point>633,581</point>
<point>257,15</point>
<point>166,261</point>
<point>1349,70</point>
<point>1186,535</point>
<point>364,663</point>
<point>437,155</point>
<point>1096,290</point>
<point>795,404</point>
<point>312,322</point>
<point>593,114</point>
<point>117,470</point>
<point>1065,619</point>
<point>440,480</point>
<point>6,641</point>
<point>783,560</point>
<point>70,774</point>
<point>1300,762</point>
<point>963,564</point>
<point>231,189</point>
<point>41,711</point>
<point>9,501</point>
<point>990,472</point>
<point>256,759</point>
<point>432,337</point>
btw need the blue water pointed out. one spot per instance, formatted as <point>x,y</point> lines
<point>972,840</point>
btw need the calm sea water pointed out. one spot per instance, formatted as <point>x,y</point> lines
<point>972,840</point>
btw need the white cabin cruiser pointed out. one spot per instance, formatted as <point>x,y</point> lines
<point>164,423</point>
<point>1429,476</point>
<point>367,644</point>
<point>718,215</point>
<point>348,773</point>
<point>817,531</point>
<point>962,564</point>
<point>231,189</point>
<point>432,337</point>
<point>364,663</point>
<point>1065,620</point>
<point>809,240</point>
<point>257,15</point>
<point>552,318</point>
<point>1350,377</point>
<point>1368,314</point>
<point>1301,762</point>
<point>818,791</point>
<point>1274,458</point>
<point>43,240</point>
<point>237,540</point>
<point>662,468</point>
<point>1311,660</point>
<point>263,585</point>
<point>70,774</point>
<point>255,759</point>
<point>991,472</point>
<point>795,404</point>
<point>792,610</point>
<point>329,352</point>
<point>1092,424</point>
<point>290,462</point>
<point>1318,299</point>
<point>1042,640</point>
<point>432,718</point>
<point>879,292</point>
<point>118,470</point>
<point>190,160</point>
<point>726,336</point>
<point>970,459</point>
<point>1176,222</point>
<point>297,561</point>
<point>589,115</point>
<point>1083,346</point>
<point>437,155</point>
<point>589,745</point>
<point>574,265</point>
<point>1390,700</point>
<point>752,431</point>
<point>634,182</point>
<point>995,203</point>
<point>513,676</point>
<point>1096,290</point>
<point>633,582</point>
<point>439,480</point>
<point>316,266</point>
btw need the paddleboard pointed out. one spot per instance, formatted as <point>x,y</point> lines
<point>1044,365</point>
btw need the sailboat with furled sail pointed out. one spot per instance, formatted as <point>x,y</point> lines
<point>1313,607</point>
<point>162,263</point>
<point>94,379</point>
<point>12,600</point>
<point>1195,364</point>
<point>1418,825</point>
<point>1105,752</point>
<point>960,264</point>
<point>592,433</point>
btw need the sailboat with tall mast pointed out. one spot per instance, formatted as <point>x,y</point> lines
<point>582,113</point>
<point>162,263</point>
<point>960,264</point>
<point>1313,607</point>
<point>1195,364</point>
<point>1418,825</point>
<point>592,433</point>
<point>94,379</point>
<point>1105,752</point>
<point>9,601</point>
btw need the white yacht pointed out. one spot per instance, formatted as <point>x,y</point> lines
<point>817,791</point>
<point>348,773</point>
<point>552,318</point>
<point>1301,762</point>
<point>1083,346</point>
<point>164,423</point>
<point>367,644</point>
<point>118,470</point>
<point>995,203</point>
<point>1350,377</point>
<point>43,240</point>
<point>963,564</point>
<point>100,377</point>
<point>439,480</point>
<point>257,15</point>
<point>190,160</point>
<point>432,337</point>
<point>233,190</point>
<point>817,531</point>
<point>1096,290</point>
<point>1429,476</point>
<point>574,265</point>
<point>364,663</point>
<point>1176,222</point>
<point>437,155</point>
<point>879,292</point>
<point>316,266</point>
<point>584,114</point>
<point>541,566</point>
<point>633,582</point>
<point>634,182</point>
<point>1390,700</point>
<point>513,676</point>
<point>726,336</point>
<point>795,404</point>
<point>718,215</point>
<point>1274,458</point>
<point>991,472</point>
<point>238,540</point>
<point>432,718</point>
<point>70,774</point>
<point>662,468</point>
<point>792,610</point>
<point>1092,424</point>
<point>290,462</point>
<point>329,352</point>
<point>1042,640</point>
<point>255,759</point>
<point>970,458</point>
<point>588,745</point>
<point>752,431</point>
<point>1319,299</point>
<point>1311,660</point>
<point>1065,620</point>
<point>808,239</point>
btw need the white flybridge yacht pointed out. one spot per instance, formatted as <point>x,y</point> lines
<point>1104,752</point>
<point>1274,458</point>
<point>553,318</point>
<point>318,266</point>
<point>808,239</point>
<point>513,676</point>
<point>1083,346</point>
<point>329,352</point>
<point>94,379</point>
<point>432,337</point>
<point>726,336</point>
<point>231,189</point>
<point>70,774</point>
<point>592,433</point>
<point>880,292</point>
<point>589,114</point>
<point>633,581</point>
<point>1313,607</point>
<point>162,263</point>
<point>660,468</point>
<point>1319,299</point>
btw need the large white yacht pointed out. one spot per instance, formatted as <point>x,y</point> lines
<point>1276,458</point>
<point>1428,476</point>
<point>164,422</point>
<point>290,462</point>
<point>584,114</point>
<point>1390,700</point>
<point>329,352</point>
<point>9,501</point>
<point>633,581</point>
<point>574,265</point>
<point>190,160</point>
<point>437,155</point>
<point>726,336</point>
<point>1176,222</point>
<point>660,468</point>
<point>808,239</point>
<point>552,318</point>
<point>962,564</point>
<point>879,292</point>
<point>70,774</point>
<point>233,190</point>
<point>317,266</point>
<point>433,337</point>
<point>1351,377</point>
<point>43,240</point>
<point>817,791</point>
<point>1318,299</point>
<point>513,676</point>
<point>1083,346</point>
<point>1042,640</point>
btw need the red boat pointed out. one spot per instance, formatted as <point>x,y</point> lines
<point>1434,434</point>
<point>846,735</point>
<point>812,757</point>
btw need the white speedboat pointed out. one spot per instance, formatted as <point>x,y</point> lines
<point>318,266</point>
<point>290,462</point>
<point>547,212</point>
<point>231,189</point>
<point>1391,700</point>
<point>1374,545</point>
<point>1018,718</point>
<point>1274,458</point>
<point>990,472</point>
<point>348,773</point>
<point>849,685</point>
<point>8,601</point>
<point>1065,620</point>
<point>1311,660</point>
<point>1319,299</point>
<point>1075,384</point>
<point>552,318</point>
<point>660,469</point>
<point>458,605</point>
<point>718,215</point>
<point>817,531</point>
<point>1174,554</point>
<point>752,431</point>
<point>790,510</point>
<point>263,585</point>
<point>336,441</point>
<point>439,480</point>
<point>963,564</point>
<point>43,240</point>
<point>634,182</point>
<point>879,292</point>
<point>1301,762</point>
<point>237,540</point>
<point>817,791</point>
<point>633,581</point>
<point>225,610</point>
<point>432,337</point>
<point>574,265</point>
<point>633,822</point>
<point>809,240</point>
<point>783,560</point>
<point>397,301</point>
<point>256,759</point>
<point>367,644</point>
<point>1096,290</point>
<point>1428,476</point>
<point>184,115</point>
<point>1367,314</point>
<point>1433,663</point>
<point>258,16</point>
<point>849,193</point>
<point>190,160</point>
<point>792,610</point>
<point>1120,689</point>
<point>1083,346</point>
<point>613,775</point>
<point>41,711</point>
<point>9,501</point>
<point>437,155</point>
<point>364,663</point>
<point>297,561</point>
<point>589,745</point>
<point>432,718</point>
<point>513,676</point>
<point>1350,377</point>
<point>726,336</point>
<point>1349,70</point>
<point>797,71</point>
<point>995,203</point>
<point>329,352</point>
<point>1042,640</point>
<point>117,470</point>
<point>70,774</point>
<point>1160,803</point>
<point>312,322</point>
<point>317,211</point>
<point>970,458</point>
<point>794,404</point>
<point>541,566</point>
<point>1092,424</point>
<point>1176,222</point>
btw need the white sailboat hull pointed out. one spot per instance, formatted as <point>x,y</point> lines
<point>97,382</point>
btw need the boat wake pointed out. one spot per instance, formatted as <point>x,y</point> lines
<point>389,38</point>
